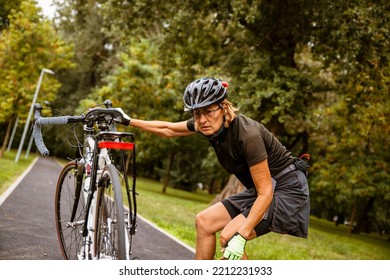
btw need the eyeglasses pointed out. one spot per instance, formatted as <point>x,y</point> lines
<point>208,113</point>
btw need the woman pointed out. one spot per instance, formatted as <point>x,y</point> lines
<point>276,197</point>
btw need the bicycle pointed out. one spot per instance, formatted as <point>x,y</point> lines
<point>92,222</point>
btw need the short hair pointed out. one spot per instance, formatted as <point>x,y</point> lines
<point>230,114</point>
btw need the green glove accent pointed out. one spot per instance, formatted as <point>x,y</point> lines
<point>235,248</point>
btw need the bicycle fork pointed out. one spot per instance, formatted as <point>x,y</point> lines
<point>88,248</point>
<point>86,253</point>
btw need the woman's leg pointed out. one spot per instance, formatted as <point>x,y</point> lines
<point>208,222</point>
<point>231,228</point>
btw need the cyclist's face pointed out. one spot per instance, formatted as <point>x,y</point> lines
<point>209,119</point>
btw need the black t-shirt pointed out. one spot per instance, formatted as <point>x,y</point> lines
<point>245,143</point>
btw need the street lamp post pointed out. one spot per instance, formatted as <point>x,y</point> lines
<point>13,134</point>
<point>44,70</point>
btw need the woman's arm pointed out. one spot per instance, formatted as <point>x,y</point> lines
<point>263,182</point>
<point>162,128</point>
<point>262,178</point>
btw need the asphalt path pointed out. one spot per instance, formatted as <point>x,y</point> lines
<point>27,225</point>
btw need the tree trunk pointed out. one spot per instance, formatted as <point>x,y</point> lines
<point>212,186</point>
<point>233,186</point>
<point>6,137</point>
<point>352,220</point>
<point>168,173</point>
<point>362,221</point>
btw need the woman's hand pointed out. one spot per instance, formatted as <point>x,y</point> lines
<point>235,248</point>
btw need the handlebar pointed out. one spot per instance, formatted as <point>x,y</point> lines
<point>94,115</point>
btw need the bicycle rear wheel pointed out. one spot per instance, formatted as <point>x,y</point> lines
<point>110,237</point>
<point>69,201</point>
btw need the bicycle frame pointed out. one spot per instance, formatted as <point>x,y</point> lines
<point>96,155</point>
<point>99,139</point>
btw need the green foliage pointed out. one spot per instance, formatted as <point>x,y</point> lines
<point>350,127</point>
<point>80,24</point>
<point>5,9</point>
<point>315,73</point>
<point>140,87</point>
<point>27,46</point>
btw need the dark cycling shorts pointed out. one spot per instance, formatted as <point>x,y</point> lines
<point>249,196</point>
<point>289,209</point>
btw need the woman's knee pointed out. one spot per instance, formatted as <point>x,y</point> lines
<point>200,221</point>
<point>212,219</point>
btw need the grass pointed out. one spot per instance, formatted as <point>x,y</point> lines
<point>11,170</point>
<point>330,244</point>
<point>175,213</point>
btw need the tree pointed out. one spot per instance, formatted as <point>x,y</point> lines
<point>315,73</point>
<point>351,129</point>
<point>80,24</point>
<point>255,42</point>
<point>28,45</point>
<point>5,9</point>
<point>140,87</point>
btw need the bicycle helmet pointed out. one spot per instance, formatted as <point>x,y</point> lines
<point>204,92</point>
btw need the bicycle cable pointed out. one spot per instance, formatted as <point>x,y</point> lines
<point>79,145</point>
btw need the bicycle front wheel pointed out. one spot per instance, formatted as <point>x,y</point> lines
<point>70,211</point>
<point>110,219</point>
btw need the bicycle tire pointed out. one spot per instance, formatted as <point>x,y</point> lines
<point>69,232</point>
<point>110,230</point>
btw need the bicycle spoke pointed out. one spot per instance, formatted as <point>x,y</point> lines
<point>69,233</point>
